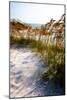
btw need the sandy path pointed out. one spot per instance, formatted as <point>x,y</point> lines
<point>26,68</point>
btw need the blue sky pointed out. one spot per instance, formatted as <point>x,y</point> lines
<point>35,13</point>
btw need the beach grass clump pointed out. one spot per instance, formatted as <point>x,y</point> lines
<point>56,66</point>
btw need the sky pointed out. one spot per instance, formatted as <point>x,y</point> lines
<point>35,13</point>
